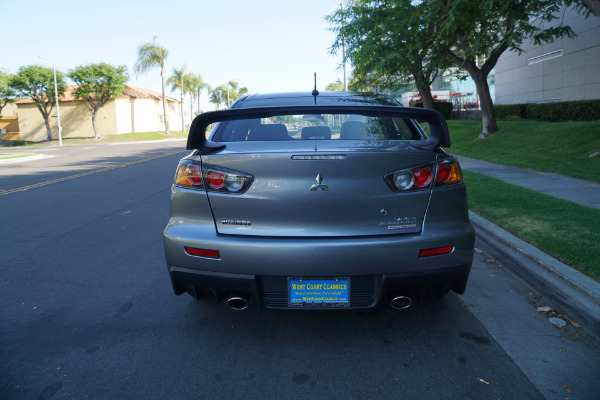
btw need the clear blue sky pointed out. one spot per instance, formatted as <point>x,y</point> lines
<point>265,45</point>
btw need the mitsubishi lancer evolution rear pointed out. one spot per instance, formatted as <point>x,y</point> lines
<point>318,201</point>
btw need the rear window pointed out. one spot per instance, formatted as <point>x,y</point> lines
<point>317,127</point>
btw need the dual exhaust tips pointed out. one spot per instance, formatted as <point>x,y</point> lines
<point>240,302</point>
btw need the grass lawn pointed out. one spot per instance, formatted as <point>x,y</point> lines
<point>4,156</point>
<point>565,230</point>
<point>559,147</point>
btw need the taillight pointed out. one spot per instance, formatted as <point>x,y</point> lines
<point>188,174</point>
<point>448,173</point>
<point>422,177</point>
<point>191,174</point>
<point>410,179</point>
<point>215,179</point>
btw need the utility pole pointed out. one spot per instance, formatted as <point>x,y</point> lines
<point>56,98</point>
<point>344,50</point>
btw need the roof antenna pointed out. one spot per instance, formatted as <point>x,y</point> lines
<point>315,92</point>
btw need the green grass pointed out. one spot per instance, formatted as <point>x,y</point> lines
<point>4,156</point>
<point>558,147</point>
<point>565,230</point>
<point>125,137</point>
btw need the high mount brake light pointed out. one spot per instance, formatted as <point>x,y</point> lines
<point>215,179</point>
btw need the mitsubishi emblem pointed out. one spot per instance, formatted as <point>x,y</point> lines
<point>319,185</point>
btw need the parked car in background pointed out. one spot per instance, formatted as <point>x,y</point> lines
<point>318,201</point>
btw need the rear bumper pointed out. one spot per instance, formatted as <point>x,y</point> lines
<point>259,267</point>
<point>367,291</point>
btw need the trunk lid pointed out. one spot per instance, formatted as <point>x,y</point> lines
<point>319,188</point>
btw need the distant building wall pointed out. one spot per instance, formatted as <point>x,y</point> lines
<point>9,110</point>
<point>31,123</point>
<point>138,110</point>
<point>75,119</point>
<point>566,70</point>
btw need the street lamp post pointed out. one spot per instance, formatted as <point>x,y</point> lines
<point>56,98</point>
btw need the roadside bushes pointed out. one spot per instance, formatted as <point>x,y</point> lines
<point>584,110</point>
<point>443,107</point>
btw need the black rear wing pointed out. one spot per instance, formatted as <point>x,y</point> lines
<point>439,129</point>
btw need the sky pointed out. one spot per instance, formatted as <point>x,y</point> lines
<point>264,45</point>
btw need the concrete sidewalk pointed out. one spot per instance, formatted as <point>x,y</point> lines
<point>573,292</point>
<point>571,189</point>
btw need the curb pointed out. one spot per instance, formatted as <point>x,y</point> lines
<point>571,291</point>
<point>24,159</point>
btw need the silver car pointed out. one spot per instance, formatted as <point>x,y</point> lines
<point>318,201</point>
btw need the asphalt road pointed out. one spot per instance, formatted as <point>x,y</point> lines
<point>87,311</point>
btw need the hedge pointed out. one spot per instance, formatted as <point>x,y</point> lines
<point>584,110</point>
<point>443,107</point>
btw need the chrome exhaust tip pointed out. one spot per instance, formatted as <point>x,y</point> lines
<point>237,303</point>
<point>401,302</point>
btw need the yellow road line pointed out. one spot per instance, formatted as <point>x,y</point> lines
<point>66,178</point>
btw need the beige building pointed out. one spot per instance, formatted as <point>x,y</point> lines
<point>137,110</point>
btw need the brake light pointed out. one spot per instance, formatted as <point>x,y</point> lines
<point>422,177</point>
<point>215,179</point>
<point>436,251</point>
<point>448,172</point>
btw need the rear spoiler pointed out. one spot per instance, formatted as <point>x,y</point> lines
<point>439,129</point>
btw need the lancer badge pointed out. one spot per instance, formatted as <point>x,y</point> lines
<point>319,185</point>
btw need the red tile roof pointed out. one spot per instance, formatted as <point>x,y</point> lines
<point>132,92</point>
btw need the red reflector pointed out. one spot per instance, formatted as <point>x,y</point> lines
<point>436,251</point>
<point>422,177</point>
<point>192,251</point>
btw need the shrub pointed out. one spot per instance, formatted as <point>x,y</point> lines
<point>509,111</point>
<point>585,110</point>
<point>443,107</point>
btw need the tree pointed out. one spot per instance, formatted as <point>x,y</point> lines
<point>387,40</point>
<point>97,85</point>
<point>200,88</point>
<point>474,34</point>
<point>234,92</point>
<point>6,91</point>
<point>192,81</point>
<point>151,55</point>
<point>37,83</point>
<point>336,86</point>
<point>178,81</point>
<point>218,96</point>
<point>195,85</point>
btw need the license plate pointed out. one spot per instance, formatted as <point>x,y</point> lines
<point>326,292</point>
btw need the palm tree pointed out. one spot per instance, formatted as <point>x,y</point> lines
<point>151,55</point>
<point>218,95</point>
<point>234,92</point>
<point>178,81</point>
<point>193,85</point>
<point>200,88</point>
